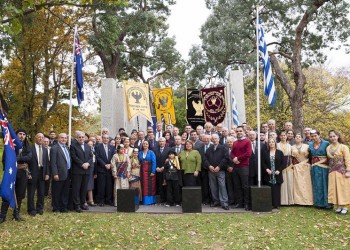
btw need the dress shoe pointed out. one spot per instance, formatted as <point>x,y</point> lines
<point>2,219</point>
<point>33,214</point>
<point>225,208</point>
<point>215,204</point>
<point>84,207</point>
<point>91,204</point>
<point>238,206</point>
<point>64,210</point>
<point>101,205</point>
<point>17,218</point>
<point>41,212</point>
<point>78,210</point>
<point>247,208</point>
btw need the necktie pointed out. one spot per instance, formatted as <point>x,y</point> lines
<point>161,150</point>
<point>82,146</point>
<point>205,148</point>
<point>66,153</point>
<point>215,148</point>
<point>40,160</point>
<point>177,150</point>
<point>106,150</point>
<point>253,147</point>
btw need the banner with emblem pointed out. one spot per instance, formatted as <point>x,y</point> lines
<point>137,100</point>
<point>164,105</point>
<point>194,108</point>
<point>214,104</point>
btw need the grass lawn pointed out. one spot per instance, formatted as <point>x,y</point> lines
<point>291,228</point>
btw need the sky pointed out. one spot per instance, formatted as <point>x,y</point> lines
<point>187,17</point>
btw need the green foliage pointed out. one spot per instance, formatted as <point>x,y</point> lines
<point>132,40</point>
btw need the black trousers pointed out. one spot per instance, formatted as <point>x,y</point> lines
<point>20,190</point>
<point>161,189</point>
<point>230,188</point>
<point>206,197</point>
<point>189,180</point>
<point>276,194</point>
<point>60,194</point>
<point>79,189</point>
<point>104,187</point>
<point>47,186</point>
<point>173,192</point>
<point>241,185</point>
<point>37,185</point>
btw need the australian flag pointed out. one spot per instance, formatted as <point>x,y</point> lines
<point>78,58</point>
<point>11,145</point>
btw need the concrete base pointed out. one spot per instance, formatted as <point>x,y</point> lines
<point>127,200</point>
<point>261,199</point>
<point>191,200</point>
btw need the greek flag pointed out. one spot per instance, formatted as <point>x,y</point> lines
<point>234,109</point>
<point>269,85</point>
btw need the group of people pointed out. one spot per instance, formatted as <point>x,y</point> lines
<point>301,169</point>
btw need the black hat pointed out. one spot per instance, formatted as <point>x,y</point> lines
<point>21,130</point>
<point>121,129</point>
<point>172,152</point>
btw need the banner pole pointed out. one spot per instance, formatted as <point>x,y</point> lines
<point>258,96</point>
<point>71,92</point>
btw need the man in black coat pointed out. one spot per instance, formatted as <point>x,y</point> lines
<point>81,162</point>
<point>23,158</point>
<point>60,165</point>
<point>216,162</point>
<point>161,152</point>
<point>104,153</point>
<point>204,175</point>
<point>39,172</point>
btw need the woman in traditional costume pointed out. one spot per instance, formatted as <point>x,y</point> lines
<point>148,174</point>
<point>120,165</point>
<point>287,186</point>
<point>319,170</point>
<point>339,173</point>
<point>302,172</point>
<point>273,165</point>
<point>135,177</point>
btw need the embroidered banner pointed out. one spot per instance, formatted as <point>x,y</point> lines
<point>194,107</point>
<point>137,100</point>
<point>164,105</point>
<point>214,104</point>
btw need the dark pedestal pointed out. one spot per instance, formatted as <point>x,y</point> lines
<point>191,200</point>
<point>261,199</point>
<point>127,200</point>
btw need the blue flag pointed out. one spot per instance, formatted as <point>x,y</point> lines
<point>78,58</point>
<point>269,84</point>
<point>11,145</point>
<point>234,110</point>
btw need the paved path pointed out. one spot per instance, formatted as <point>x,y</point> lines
<point>161,209</point>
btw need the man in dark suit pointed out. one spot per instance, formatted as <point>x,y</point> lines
<point>216,162</point>
<point>104,153</point>
<point>224,135</point>
<point>60,163</point>
<point>161,155</point>
<point>152,141</point>
<point>253,160</point>
<point>229,173</point>
<point>81,162</point>
<point>194,137</point>
<point>178,146</point>
<point>204,175</point>
<point>39,172</point>
<point>140,140</point>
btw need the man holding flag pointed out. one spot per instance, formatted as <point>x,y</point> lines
<point>16,158</point>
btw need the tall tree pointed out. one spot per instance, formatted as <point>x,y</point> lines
<point>300,30</point>
<point>132,41</point>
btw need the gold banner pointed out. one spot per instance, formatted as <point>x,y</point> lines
<point>137,100</point>
<point>164,105</point>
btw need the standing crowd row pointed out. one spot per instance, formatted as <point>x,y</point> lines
<point>301,169</point>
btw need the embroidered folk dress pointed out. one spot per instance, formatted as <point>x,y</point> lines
<point>287,187</point>
<point>148,181</point>
<point>338,183</point>
<point>319,173</point>
<point>120,167</point>
<point>135,179</point>
<point>302,175</point>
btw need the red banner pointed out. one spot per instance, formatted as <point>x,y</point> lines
<point>214,104</point>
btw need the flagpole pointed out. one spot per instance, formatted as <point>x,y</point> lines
<point>71,91</point>
<point>258,96</point>
<point>231,107</point>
